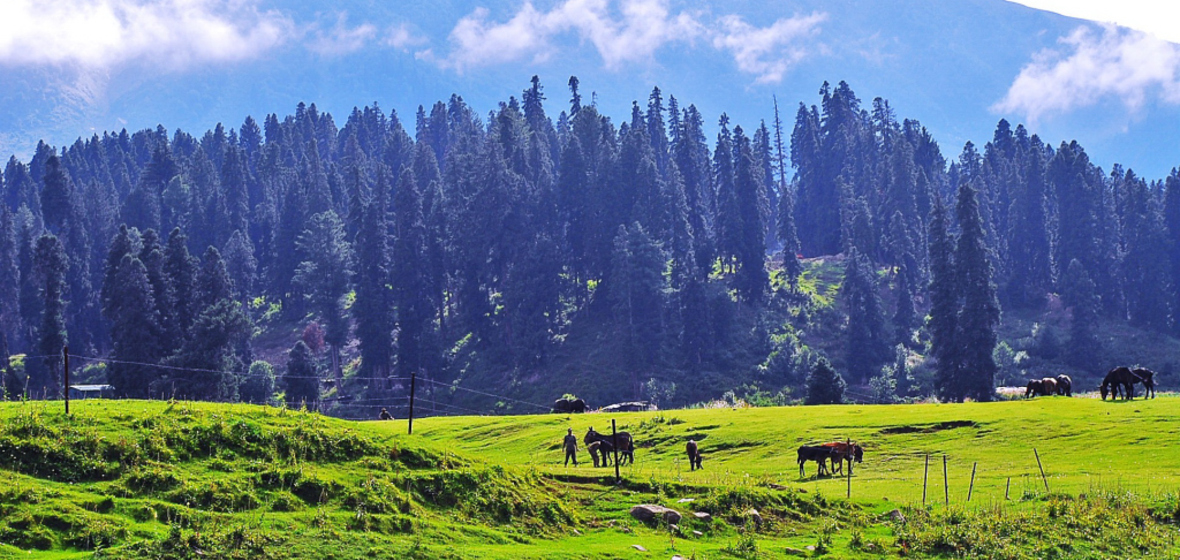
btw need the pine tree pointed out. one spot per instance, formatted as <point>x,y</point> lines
<point>410,296</point>
<point>301,383</point>
<point>752,208</point>
<point>213,281</point>
<point>50,265</point>
<point>324,276</point>
<point>10,276</point>
<point>1084,349</point>
<point>944,305</point>
<point>57,196</point>
<point>240,264</point>
<point>1029,252</point>
<point>180,268</point>
<point>1145,266</point>
<point>637,284</point>
<point>374,307</point>
<point>824,384</point>
<point>980,313</point>
<point>210,361</point>
<point>135,330</point>
<point>867,342</point>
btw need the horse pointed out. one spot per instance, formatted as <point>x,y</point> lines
<point>598,449</point>
<point>1064,385</point>
<point>1147,377</point>
<point>694,455</point>
<point>1035,387</point>
<point>626,444</point>
<point>843,451</point>
<point>819,454</point>
<point>566,406</point>
<point>1120,377</point>
<point>1049,385</point>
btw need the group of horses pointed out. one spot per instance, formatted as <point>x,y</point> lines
<point>1048,386</point>
<point>1125,378</point>
<point>1120,380</point>
<point>837,452</point>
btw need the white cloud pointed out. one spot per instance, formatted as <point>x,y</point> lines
<point>639,29</point>
<point>1159,18</point>
<point>99,34</point>
<point>1089,67</point>
<point>631,31</point>
<point>341,39</point>
<point>402,37</point>
<point>767,52</point>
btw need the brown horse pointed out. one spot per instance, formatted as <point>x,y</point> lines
<point>843,451</point>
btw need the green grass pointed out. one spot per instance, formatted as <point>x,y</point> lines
<point>186,480</point>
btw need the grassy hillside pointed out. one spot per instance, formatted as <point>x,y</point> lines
<point>184,480</point>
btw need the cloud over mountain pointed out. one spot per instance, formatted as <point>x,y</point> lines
<point>1089,67</point>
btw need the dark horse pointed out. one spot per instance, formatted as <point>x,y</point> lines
<point>565,406</point>
<point>626,444</point>
<point>1038,387</point>
<point>694,455</point>
<point>1064,385</point>
<point>1147,378</point>
<point>1120,377</point>
<point>819,454</point>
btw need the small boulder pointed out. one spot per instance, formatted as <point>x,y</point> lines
<point>702,516</point>
<point>896,516</point>
<point>649,513</point>
<point>795,551</point>
<point>753,515</point>
<point>697,534</point>
<point>810,547</point>
<point>639,547</point>
<point>685,500</point>
<point>774,486</point>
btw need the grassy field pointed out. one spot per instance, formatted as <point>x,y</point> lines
<point>189,480</point>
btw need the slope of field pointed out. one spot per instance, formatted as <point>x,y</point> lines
<point>138,479</point>
<point>1083,443</point>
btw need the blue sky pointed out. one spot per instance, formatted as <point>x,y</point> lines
<point>72,68</point>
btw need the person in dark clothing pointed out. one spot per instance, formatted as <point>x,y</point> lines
<point>385,415</point>
<point>571,447</point>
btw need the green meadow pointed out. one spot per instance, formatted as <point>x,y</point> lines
<point>133,479</point>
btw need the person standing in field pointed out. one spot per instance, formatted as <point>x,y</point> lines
<point>571,447</point>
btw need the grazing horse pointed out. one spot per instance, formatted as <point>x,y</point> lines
<point>1064,385</point>
<point>843,451</point>
<point>819,454</point>
<point>1035,387</point>
<point>694,455</point>
<point>626,444</point>
<point>1147,378</point>
<point>1120,377</point>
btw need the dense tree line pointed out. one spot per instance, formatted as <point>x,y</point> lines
<point>484,249</point>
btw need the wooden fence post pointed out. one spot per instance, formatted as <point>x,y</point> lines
<point>972,487</point>
<point>946,488</point>
<point>1043,479</point>
<point>925,477</point>
<point>614,440</point>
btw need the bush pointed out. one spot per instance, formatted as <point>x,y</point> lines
<point>824,384</point>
